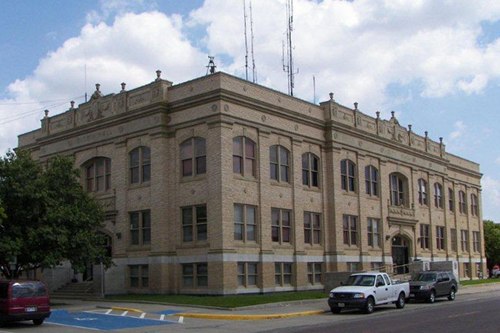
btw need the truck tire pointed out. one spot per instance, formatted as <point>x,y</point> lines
<point>400,303</point>
<point>335,309</point>
<point>369,306</point>
<point>432,297</point>
<point>451,296</point>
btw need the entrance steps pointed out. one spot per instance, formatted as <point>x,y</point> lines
<point>75,290</point>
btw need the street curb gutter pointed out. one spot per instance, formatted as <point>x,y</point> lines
<point>249,317</point>
<point>118,308</point>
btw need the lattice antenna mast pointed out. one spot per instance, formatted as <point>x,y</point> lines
<point>246,38</point>
<point>288,66</point>
<point>254,70</point>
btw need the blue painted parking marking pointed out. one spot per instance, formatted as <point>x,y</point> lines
<point>100,321</point>
<point>167,312</point>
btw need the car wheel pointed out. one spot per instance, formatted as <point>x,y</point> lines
<point>38,322</point>
<point>400,303</point>
<point>432,297</point>
<point>452,294</point>
<point>336,309</point>
<point>370,305</point>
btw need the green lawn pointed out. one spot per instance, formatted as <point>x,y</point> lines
<point>230,301</point>
<point>476,282</point>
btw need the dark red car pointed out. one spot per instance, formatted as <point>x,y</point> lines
<point>24,300</point>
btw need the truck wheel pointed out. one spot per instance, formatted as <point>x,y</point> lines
<point>38,322</point>
<point>370,305</point>
<point>335,309</point>
<point>452,295</point>
<point>400,303</point>
<point>432,297</point>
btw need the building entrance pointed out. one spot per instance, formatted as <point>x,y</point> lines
<point>400,254</point>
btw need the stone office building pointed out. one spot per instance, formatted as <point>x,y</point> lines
<point>221,186</point>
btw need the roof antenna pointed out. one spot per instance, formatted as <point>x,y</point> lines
<point>288,66</point>
<point>254,70</point>
<point>85,82</point>
<point>211,65</point>
<point>246,38</point>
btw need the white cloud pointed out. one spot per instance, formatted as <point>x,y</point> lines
<point>497,161</point>
<point>491,197</point>
<point>460,128</point>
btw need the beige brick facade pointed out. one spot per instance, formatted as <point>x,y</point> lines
<point>182,251</point>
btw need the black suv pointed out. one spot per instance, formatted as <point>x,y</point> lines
<point>431,284</point>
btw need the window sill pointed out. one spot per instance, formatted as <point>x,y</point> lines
<point>189,179</point>
<point>280,184</point>
<point>137,248</point>
<point>245,178</point>
<point>193,245</point>
<point>315,189</point>
<point>138,185</point>
<point>248,244</point>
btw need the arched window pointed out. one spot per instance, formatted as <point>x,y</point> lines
<point>98,174</point>
<point>310,170</point>
<point>140,165</point>
<point>438,195</point>
<point>462,202</point>
<point>193,157</point>
<point>244,156</point>
<point>474,207</point>
<point>348,175</point>
<point>279,158</point>
<point>399,189</point>
<point>371,180</point>
<point>422,192</point>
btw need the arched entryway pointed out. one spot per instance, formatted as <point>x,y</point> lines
<point>400,254</point>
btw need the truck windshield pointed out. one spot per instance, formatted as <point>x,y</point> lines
<point>361,280</point>
<point>426,277</point>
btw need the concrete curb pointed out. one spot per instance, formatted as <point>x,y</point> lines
<point>249,317</point>
<point>119,308</point>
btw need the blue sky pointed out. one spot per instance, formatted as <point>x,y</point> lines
<point>435,63</point>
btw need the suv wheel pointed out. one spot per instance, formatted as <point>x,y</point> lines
<point>432,297</point>
<point>336,309</point>
<point>452,294</point>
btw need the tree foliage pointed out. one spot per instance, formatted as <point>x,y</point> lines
<point>492,242</point>
<point>48,217</point>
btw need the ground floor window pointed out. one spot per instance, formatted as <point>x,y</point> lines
<point>195,275</point>
<point>247,274</point>
<point>283,273</point>
<point>353,266</point>
<point>376,266</point>
<point>466,270</point>
<point>314,272</point>
<point>139,276</point>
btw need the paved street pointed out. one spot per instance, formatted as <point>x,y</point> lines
<point>474,310</point>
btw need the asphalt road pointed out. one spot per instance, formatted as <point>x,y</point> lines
<point>475,312</point>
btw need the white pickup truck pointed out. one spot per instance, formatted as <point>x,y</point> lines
<point>366,290</point>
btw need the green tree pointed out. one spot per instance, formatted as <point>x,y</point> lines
<point>492,242</point>
<point>49,218</point>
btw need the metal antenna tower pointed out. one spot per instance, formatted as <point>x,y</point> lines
<point>211,65</point>
<point>254,70</point>
<point>288,66</point>
<point>246,38</point>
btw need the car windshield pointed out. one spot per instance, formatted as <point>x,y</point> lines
<point>360,280</point>
<point>426,277</point>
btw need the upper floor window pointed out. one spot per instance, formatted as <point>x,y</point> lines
<point>310,170</point>
<point>451,200</point>
<point>140,227</point>
<point>424,236</point>
<point>476,241</point>
<point>438,195</point>
<point>194,223</point>
<point>281,227</point>
<point>245,224</point>
<point>373,232</point>
<point>98,175</point>
<point>422,192</point>
<point>279,158</point>
<point>399,186</point>
<point>465,240</point>
<point>474,208</point>
<point>350,230</point>
<point>462,202</point>
<point>193,157</point>
<point>140,165</point>
<point>440,239</point>
<point>371,180</point>
<point>312,228</point>
<point>244,156</point>
<point>348,175</point>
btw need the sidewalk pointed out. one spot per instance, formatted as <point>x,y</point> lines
<point>257,312</point>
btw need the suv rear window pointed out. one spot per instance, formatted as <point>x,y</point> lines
<point>28,289</point>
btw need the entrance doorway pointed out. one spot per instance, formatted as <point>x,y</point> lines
<point>400,254</point>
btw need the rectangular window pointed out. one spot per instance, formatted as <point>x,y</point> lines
<point>353,266</point>
<point>440,238</point>
<point>350,230</point>
<point>465,240</point>
<point>312,228</point>
<point>194,223</point>
<point>467,270</point>
<point>476,244</point>
<point>451,200</point>
<point>140,227</point>
<point>283,273</point>
<point>424,236</point>
<point>453,239</point>
<point>377,266</point>
<point>281,228</point>
<point>195,275</point>
<point>247,274</point>
<point>245,225</point>
<point>314,272</point>
<point>138,276</point>
<point>373,232</point>
<point>462,202</point>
